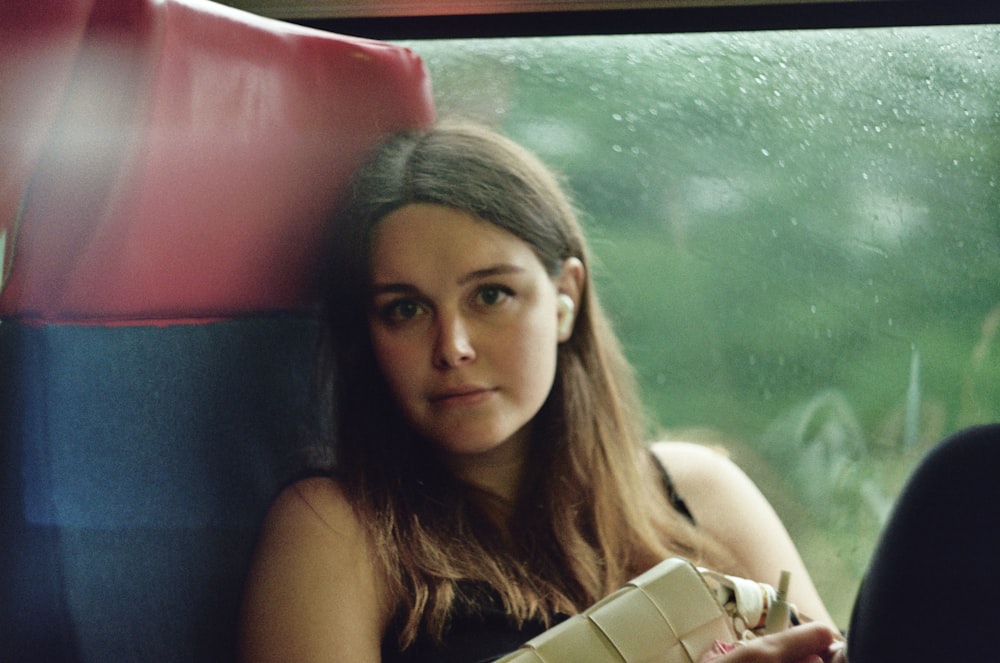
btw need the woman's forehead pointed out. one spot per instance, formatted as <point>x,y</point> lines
<point>424,236</point>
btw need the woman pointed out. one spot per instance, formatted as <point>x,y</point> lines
<point>491,471</point>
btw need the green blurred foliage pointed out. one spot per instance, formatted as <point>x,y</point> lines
<point>798,237</point>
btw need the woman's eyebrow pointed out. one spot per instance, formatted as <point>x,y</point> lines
<point>487,272</point>
<point>393,288</point>
<point>475,275</point>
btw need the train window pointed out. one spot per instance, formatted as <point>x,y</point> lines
<point>797,234</point>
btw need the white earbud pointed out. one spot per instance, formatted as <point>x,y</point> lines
<point>566,309</point>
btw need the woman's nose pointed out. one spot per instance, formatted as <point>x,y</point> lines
<point>454,344</point>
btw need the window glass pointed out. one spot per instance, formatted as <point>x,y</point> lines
<point>798,236</point>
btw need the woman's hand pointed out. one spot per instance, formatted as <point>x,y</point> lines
<point>811,643</point>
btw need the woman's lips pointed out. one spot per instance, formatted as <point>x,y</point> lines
<point>462,396</point>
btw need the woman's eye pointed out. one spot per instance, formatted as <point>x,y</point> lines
<point>401,310</point>
<point>492,295</point>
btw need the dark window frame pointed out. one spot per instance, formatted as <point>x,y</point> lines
<point>688,17</point>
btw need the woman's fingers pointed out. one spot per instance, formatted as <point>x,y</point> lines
<point>794,644</point>
<point>810,643</point>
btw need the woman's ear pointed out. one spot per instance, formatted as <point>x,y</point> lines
<point>570,283</point>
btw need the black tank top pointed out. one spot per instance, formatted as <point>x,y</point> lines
<point>487,633</point>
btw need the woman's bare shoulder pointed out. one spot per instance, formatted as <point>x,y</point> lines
<point>727,505</point>
<point>695,465</point>
<point>721,496</point>
<point>313,592</point>
<point>314,521</point>
<point>322,498</point>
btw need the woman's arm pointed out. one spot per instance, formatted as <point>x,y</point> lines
<point>313,593</point>
<point>732,510</point>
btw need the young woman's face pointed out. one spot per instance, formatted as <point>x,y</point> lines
<point>464,324</point>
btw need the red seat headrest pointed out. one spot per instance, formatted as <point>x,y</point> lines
<point>176,159</point>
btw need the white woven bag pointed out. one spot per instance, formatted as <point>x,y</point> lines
<point>673,613</point>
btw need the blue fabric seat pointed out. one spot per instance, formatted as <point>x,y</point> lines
<point>133,482</point>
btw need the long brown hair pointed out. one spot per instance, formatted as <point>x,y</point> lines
<point>594,513</point>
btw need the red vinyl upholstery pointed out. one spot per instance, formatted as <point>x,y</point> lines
<point>175,159</point>
<point>166,169</point>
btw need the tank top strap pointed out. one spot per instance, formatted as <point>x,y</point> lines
<point>673,496</point>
